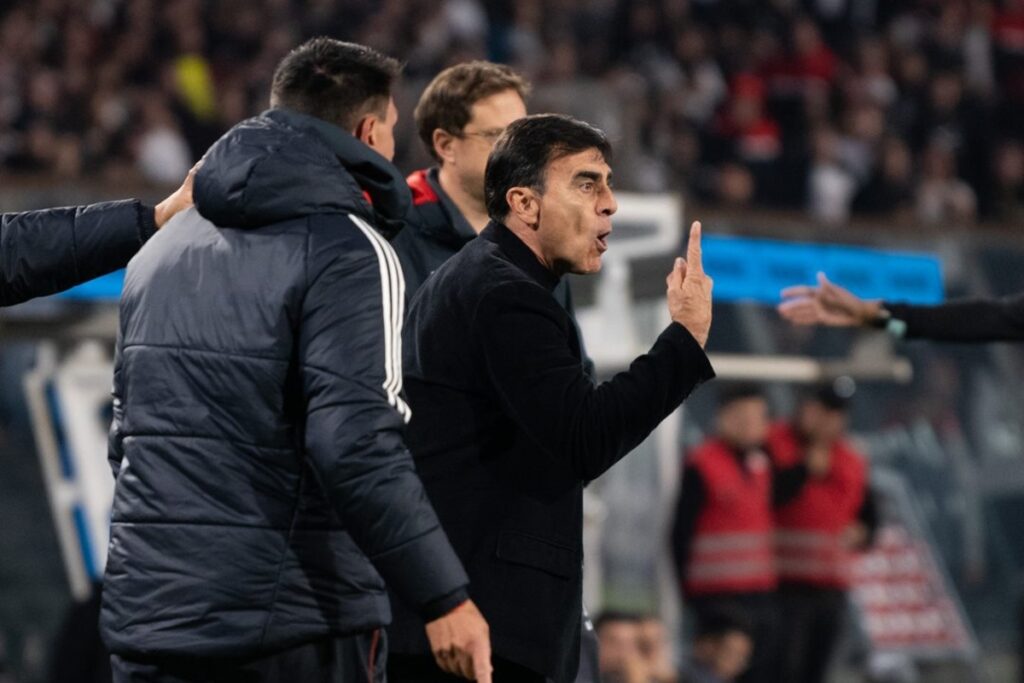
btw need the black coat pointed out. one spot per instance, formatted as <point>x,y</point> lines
<point>257,435</point>
<point>507,427</point>
<point>47,251</point>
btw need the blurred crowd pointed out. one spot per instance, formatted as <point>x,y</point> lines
<point>897,108</point>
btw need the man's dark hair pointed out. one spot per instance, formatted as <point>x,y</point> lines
<point>834,396</point>
<point>738,391</point>
<point>613,616</point>
<point>723,621</point>
<point>334,81</point>
<point>523,152</point>
<point>449,98</point>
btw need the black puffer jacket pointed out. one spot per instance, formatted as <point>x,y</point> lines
<point>46,251</point>
<point>257,426</point>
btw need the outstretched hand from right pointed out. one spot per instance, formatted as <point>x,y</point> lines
<point>461,643</point>
<point>826,304</point>
<point>689,290</point>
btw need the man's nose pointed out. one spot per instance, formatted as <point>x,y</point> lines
<point>607,205</point>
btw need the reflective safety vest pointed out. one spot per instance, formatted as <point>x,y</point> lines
<point>810,528</point>
<point>731,550</point>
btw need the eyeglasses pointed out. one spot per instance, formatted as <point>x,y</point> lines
<point>489,136</point>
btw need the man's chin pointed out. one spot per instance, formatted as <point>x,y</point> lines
<point>589,268</point>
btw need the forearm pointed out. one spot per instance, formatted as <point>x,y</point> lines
<point>966,320</point>
<point>539,380</point>
<point>372,484</point>
<point>44,252</point>
<point>617,415</point>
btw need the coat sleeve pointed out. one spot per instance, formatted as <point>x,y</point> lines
<point>542,385</point>
<point>48,251</point>
<point>965,320</point>
<point>349,354</point>
<point>115,437</point>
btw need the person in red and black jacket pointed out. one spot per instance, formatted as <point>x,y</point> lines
<point>824,521</point>
<point>460,115</point>
<point>723,533</point>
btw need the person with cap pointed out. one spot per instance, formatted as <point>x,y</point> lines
<point>722,535</point>
<point>818,528</point>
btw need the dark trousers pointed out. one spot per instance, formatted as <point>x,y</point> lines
<point>761,611</point>
<point>811,621</point>
<point>423,669</point>
<point>355,659</point>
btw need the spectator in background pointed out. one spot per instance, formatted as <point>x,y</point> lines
<point>1008,194</point>
<point>656,651</point>
<point>722,648</point>
<point>874,82</point>
<point>634,648</point>
<point>703,86</point>
<point>745,135</point>
<point>618,635</point>
<point>722,532</point>
<point>890,189</point>
<point>831,185</point>
<point>162,153</point>
<point>941,196</point>
<point>817,530</point>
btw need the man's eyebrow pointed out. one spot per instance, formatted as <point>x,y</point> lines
<point>591,175</point>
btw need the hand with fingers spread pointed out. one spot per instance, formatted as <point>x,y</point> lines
<point>461,643</point>
<point>689,290</point>
<point>827,304</point>
<point>179,200</point>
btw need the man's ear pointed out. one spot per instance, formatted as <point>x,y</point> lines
<point>443,141</point>
<point>365,130</point>
<point>524,204</point>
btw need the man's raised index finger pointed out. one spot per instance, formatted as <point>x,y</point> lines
<point>693,252</point>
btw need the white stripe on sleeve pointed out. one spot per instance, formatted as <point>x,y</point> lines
<point>393,303</point>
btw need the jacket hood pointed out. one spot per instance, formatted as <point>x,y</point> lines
<point>283,165</point>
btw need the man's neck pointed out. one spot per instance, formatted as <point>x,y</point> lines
<point>472,209</point>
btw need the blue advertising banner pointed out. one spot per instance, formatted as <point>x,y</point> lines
<point>748,269</point>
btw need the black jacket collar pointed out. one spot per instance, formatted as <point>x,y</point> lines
<point>519,254</point>
<point>375,175</point>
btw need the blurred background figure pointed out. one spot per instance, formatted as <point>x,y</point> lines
<point>722,535</point>
<point>634,648</point>
<point>722,646</point>
<point>656,650</point>
<point>818,530</point>
<point>621,659</point>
